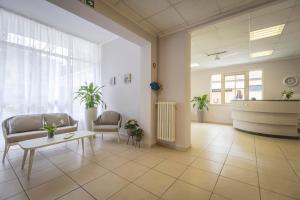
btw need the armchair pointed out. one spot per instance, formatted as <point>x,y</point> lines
<point>108,122</point>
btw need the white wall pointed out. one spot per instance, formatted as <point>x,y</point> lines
<point>273,74</point>
<point>121,57</point>
<point>174,75</point>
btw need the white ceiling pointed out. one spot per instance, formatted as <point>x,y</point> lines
<point>161,17</point>
<point>49,14</point>
<point>233,36</point>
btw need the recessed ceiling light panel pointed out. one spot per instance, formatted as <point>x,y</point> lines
<point>195,65</point>
<point>266,32</point>
<point>261,53</point>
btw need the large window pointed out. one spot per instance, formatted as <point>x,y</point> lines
<point>41,67</point>
<point>216,86</point>
<point>238,86</point>
<point>255,85</point>
<point>234,87</point>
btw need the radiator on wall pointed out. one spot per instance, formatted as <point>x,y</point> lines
<point>166,121</point>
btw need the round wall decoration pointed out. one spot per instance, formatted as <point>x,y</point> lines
<point>290,81</point>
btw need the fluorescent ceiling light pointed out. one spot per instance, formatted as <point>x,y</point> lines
<point>266,32</point>
<point>261,53</point>
<point>194,65</point>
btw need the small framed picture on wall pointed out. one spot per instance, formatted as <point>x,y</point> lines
<point>127,78</point>
<point>112,81</point>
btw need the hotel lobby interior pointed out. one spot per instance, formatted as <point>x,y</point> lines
<point>150,99</point>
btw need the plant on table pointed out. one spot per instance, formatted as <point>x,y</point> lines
<point>51,128</point>
<point>138,133</point>
<point>287,94</point>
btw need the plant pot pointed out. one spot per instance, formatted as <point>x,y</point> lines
<point>130,132</point>
<point>90,116</point>
<point>138,139</point>
<point>50,135</point>
<point>200,116</point>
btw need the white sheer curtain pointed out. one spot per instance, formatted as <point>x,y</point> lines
<point>41,67</point>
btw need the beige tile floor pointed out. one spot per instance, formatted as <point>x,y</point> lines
<point>223,163</point>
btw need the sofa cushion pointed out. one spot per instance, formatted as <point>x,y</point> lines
<point>110,118</point>
<point>106,128</point>
<point>59,119</point>
<point>23,123</point>
<point>65,129</point>
<point>18,137</point>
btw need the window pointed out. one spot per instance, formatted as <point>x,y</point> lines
<point>234,87</point>
<point>41,67</point>
<point>255,85</point>
<point>216,86</point>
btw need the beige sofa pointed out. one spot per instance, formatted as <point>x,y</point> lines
<point>24,127</point>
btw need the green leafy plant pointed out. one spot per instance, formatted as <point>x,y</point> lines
<point>51,128</point>
<point>138,133</point>
<point>131,124</point>
<point>201,102</point>
<point>91,95</point>
<point>287,94</point>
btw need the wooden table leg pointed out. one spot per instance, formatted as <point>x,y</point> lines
<point>92,145</point>
<point>82,143</point>
<point>31,155</point>
<point>24,158</point>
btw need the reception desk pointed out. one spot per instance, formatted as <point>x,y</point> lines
<point>268,117</point>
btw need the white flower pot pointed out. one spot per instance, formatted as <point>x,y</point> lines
<point>90,116</point>
<point>200,116</point>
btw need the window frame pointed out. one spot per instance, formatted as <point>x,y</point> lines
<point>246,82</point>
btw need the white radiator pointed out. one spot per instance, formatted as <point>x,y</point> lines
<point>166,121</point>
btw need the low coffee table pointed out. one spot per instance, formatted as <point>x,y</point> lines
<point>33,144</point>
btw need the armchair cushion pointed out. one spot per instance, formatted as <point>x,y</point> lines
<point>59,119</point>
<point>23,123</point>
<point>108,118</point>
<point>106,128</point>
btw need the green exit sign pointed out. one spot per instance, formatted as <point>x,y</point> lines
<point>90,3</point>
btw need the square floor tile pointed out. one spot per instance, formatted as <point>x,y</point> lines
<point>19,196</point>
<point>171,168</point>
<point>268,195</point>
<point>53,189</point>
<point>200,178</point>
<point>282,186</point>
<point>218,197</point>
<point>155,182</point>
<point>112,162</point>
<point>7,175</point>
<point>105,186</point>
<point>133,192</point>
<point>208,165</point>
<point>213,156</point>
<point>78,194</point>
<point>236,190</point>
<point>242,163</point>
<point>180,190</point>
<point>131,170</point>
<point>87,173</point>
<point>148,160</point>
<point>243,175</point>
<point>10,188</point>
<point>131,154</point>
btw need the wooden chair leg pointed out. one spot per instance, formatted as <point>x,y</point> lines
<point>6,148</point>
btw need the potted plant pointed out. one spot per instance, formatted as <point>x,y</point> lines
<point>51,128</point>
<point>287,94</point>
<point>138,133</point>
<point>91,96</point>
<point>201,104</point>
<point>131,125</point>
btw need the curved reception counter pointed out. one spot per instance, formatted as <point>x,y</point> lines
<point>267,117</point>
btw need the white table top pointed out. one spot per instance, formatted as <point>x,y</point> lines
<point>44,141</point>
